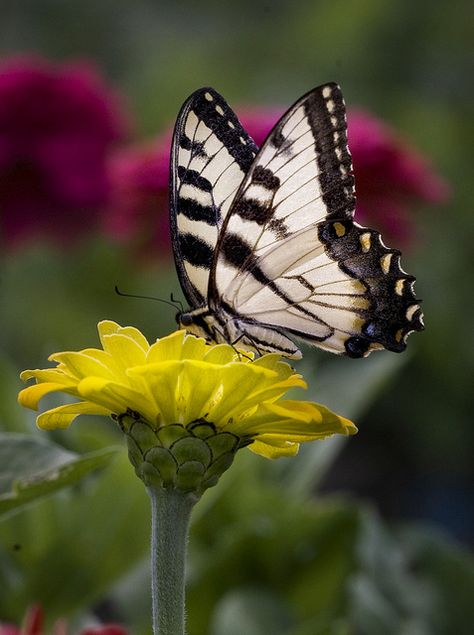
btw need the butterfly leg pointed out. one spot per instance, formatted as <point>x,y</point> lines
<point>250,338</point>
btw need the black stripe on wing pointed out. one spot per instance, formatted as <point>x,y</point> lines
<point>211,153</point>
<point>216,114</point>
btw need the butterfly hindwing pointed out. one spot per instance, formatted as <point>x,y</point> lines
<point>290,258</point>
<point>211,154</point>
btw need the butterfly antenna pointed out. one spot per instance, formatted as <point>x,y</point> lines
<point>177,303</point>
<point>145,297</point>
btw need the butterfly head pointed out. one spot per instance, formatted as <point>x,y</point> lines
<point>195,323</point>
<point>184,319</point>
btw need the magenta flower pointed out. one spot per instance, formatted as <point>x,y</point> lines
<point>391,179</point>
<point>137,215</point>
<point>57,125</point>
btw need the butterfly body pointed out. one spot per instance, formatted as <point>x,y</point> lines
<point>265,243</point>
<point>223,327</point>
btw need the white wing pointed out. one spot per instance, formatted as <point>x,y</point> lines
<point>290,257</point>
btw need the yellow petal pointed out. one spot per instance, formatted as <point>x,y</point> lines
<point>48,375</point>
<point>167,348</point>
<point>161,380</point>
<point>240,383</point>
<point>124,350</point>
<point>79,364</point>
<point>136,336</point>
<point>274,450</point>
<point>30,396</point>
<point>194,348</point>
<point>107,327</point>
<point>63,416</point>
<point>199,384</point>
<point>247,388</point>
<point>294,420</point>
<point>272,361</point>
<point>220,354</point>
<point>115,397</point>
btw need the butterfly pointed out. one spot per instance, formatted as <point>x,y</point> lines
<point>265,244</point>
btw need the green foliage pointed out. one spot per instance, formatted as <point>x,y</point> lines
<point>31,468</point>
<point>80,542</point>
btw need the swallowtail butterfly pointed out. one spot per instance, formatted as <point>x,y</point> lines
<point>264,240</point>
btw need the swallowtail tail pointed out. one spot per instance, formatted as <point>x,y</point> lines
<point>264,240</point>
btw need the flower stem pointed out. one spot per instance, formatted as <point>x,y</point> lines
<point>171,511</point>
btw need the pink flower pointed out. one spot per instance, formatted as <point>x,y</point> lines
<point>391,178</point>
<point>57,125</point>
<point>34,624</point>
<point>138,212</point>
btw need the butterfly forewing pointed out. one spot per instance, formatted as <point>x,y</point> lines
<point>211,154</point>
<point>289,256</point>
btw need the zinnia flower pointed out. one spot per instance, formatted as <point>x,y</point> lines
<point>182,401</point>
<point>391,180</point>
<point>57,125</point>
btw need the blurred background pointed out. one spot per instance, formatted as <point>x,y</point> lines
<point>368,536</point>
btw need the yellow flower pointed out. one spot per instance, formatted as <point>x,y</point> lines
<point>182,383</point>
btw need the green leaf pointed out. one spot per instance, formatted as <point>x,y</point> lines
<point>31,468</point>
<point>66,551</point>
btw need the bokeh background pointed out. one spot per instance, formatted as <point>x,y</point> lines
<point>369,536</point>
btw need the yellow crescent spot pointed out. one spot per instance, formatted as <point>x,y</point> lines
<point>375,346</point>
<point>357,323</point>
<point>339,229</point>
<point>365,241</point>
<point>399,284</point>
<point>399,336</point>
<point>385,262</point>
<point>208,96</point>
<point>359,302</point>
<point>358,286</point>
<point>411,311</point>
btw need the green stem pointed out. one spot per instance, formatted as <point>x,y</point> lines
<point>171,511</point>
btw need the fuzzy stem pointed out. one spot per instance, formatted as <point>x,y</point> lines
<point>171,511</point>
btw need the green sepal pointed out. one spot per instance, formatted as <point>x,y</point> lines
<point>186,458</point>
